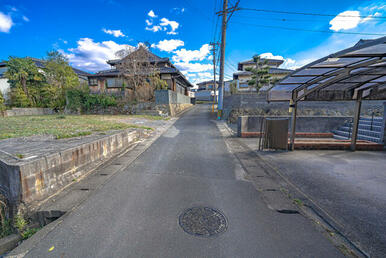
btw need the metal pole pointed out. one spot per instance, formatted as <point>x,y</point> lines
<point>222,57</point>
<point>293,124</point>
<point>357,116</point>
<point>213,44</point>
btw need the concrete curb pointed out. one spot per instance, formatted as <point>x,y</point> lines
<point>8,243</point>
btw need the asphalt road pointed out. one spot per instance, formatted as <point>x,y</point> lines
<point>136,213</point>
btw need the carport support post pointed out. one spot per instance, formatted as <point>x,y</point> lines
<point>294,107</point>
<point>357,116</point>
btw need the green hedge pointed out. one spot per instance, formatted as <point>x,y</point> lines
<point>78,100</point>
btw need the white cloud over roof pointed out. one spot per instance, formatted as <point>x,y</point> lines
<point>92,56</point>
<point>184,55</point>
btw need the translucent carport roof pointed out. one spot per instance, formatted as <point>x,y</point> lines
<point>359,70</point>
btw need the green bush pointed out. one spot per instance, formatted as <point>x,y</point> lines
<point>79,100</point>
<point>2,105</point>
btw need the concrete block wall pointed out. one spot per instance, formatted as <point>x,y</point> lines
<point>318,126</point>
<point>27,112</point>
<point>255,104</point>
<point>41,177</point>
<point>170,97</point>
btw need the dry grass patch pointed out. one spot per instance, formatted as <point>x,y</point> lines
<point>61,126</point>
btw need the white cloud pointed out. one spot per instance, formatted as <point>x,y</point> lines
<point>184,55</point>
<point>351,19</point>
<point>342,22</point>
<point>92,56</point>
<point>193,67</point>
<point>173,25</point>
<point>288,63</point>
<point>370,17</point>
<point>168,45</point>
<point>6,22</point>
<point>152,14</point>
<point>178,10</point>
<point>115,33</point>
<point>155,28</point>
<point>25,18</point>
<point>163,25</point>
<point>271,56</point>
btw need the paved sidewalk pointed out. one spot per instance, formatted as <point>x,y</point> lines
<point>349,186</point>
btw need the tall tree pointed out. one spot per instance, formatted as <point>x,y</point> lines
<point>260,73</point>
<point>60,78</point>
<point>25,81</point>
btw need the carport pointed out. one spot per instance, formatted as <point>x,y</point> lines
<point>353,74</point>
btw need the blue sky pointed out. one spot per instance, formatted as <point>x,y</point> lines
<point>89,32</point>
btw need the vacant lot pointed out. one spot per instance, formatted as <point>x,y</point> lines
<point>63,126</point>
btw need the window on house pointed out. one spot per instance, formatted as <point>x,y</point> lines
<point>2,71</point>
<point>114,83</point>
<point>93,81</point>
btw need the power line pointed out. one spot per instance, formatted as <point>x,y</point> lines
<point>293,20</point>
<point>309,30</point>
<point>310,14</point>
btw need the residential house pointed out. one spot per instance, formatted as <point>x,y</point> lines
<point>205,91</point>
<point>242,76</point>
<point>110,81</point>
<point>5,87</point>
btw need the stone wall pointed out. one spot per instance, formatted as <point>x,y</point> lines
<point>27,112</point>
<point>29,181</point>
<point>255,104</point>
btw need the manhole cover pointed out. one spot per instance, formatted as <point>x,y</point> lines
<point>203,221</point>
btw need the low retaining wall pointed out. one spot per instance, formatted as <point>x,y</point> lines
<point>171,102</point>
<point>163,97</point>
<point>173,109</point>
<point>37,179</point>
<point>256,105</point>
<point>27,112</point>
<point>307,126</point>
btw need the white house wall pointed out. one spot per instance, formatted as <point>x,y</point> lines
<point>4,87</point>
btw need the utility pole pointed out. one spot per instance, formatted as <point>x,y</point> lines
<point>225,20</point>
<point>214,45</point>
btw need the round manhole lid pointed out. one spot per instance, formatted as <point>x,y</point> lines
<point>203,221</point>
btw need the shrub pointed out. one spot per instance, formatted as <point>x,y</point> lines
<point>80,100</point>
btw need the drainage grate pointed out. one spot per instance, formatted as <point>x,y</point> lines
<point>203,221</point>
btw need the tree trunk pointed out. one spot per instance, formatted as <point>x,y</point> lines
<point>24,84</point>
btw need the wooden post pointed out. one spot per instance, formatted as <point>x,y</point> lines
<point>293,125</point>
<point>357,116</point>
